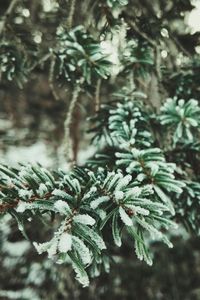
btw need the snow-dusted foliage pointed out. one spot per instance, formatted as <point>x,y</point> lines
<point>79,198</point>
<point>130,193</point>
<point>182,116</point>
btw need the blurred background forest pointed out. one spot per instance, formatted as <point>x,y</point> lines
<point>34,98</point>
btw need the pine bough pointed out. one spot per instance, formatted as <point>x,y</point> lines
<point>131,196</point>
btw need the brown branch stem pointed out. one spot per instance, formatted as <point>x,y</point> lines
<point>40,61</point>
<point>97,95</point>
<point>51,77</point>
<point>68,147</point>
<point>71,14</point>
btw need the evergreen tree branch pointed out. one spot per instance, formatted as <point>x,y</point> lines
<point>88,201</point>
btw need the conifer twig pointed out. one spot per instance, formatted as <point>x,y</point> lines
<point>71,14</point>
<point>153,44</point>
<point>67,140</point>
<point>158,62</point>
<point>51,75</point>
<point>143,34</point>
<point>68,147</point>
<point>97,95</point>
<point>179,45</point>
<point>40,61</point>
<point>7,15</point>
